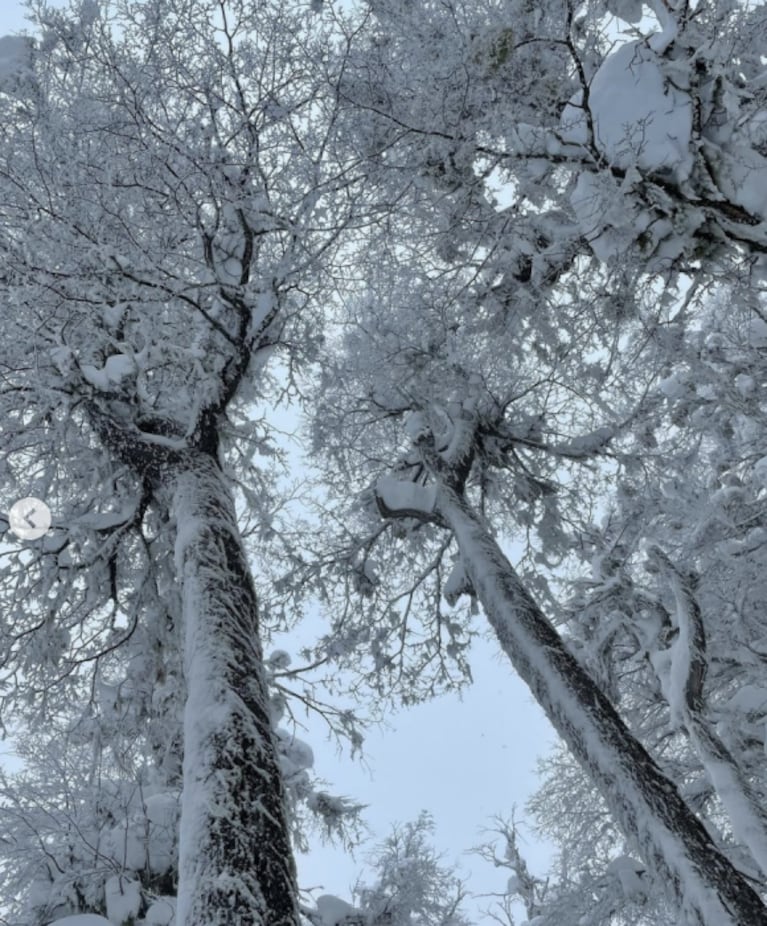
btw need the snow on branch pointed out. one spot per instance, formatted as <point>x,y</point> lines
<point>585,445</point>
<point>83,919</point>
<point>398,499</point>
<point>15,61</point>
<point>458,583</point>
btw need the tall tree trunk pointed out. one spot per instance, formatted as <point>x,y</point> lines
<point>648,807</point>
<point>675,845</point>
<point>236,865</point>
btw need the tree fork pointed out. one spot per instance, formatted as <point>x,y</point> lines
<point>236,864</point>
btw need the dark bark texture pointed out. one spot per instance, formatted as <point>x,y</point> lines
<point>700,880</point>
<point>236,861</point>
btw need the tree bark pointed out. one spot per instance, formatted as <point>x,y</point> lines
<point>236,864</point>
<point>700,880</point>
<point>684,691</point>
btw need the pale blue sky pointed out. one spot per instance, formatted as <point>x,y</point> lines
<point>11,16</point>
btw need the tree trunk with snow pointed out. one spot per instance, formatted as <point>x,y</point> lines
<point>672,841</point>
<point>236,864</point>
<point>148,168</point>
<point>235,857</point>
<point>682,682</point>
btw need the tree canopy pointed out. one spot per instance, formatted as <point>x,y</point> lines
<point>510,262</point>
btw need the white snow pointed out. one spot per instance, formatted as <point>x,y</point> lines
<point>629,11</point>
<point>295,754</point>
<point>675,386</point>
<point>416,426</point>
<point>106,519</point>
<point>123,899</point>
<point>334,911</point>
<point>757,332</point>
<point>117,368</point>
<point>749,821</point>
<point>113,314</point>
<point>669,26</point>
<point>398,495</point>
<point>749,699</point>
<point>628,871</point>
<point>587,444</point>
<point>162,912</point>
<point>162,811</point>
<point>652,127</point>
<point>666,662</point>
<point>741,175</point>
<point>513,885</point>
<point>638,117</point>
<point>265,307</point>
<point>759,472</point>
<point>83,919</point>
<point>590,205</point>
<point>613,219</point>
<point>573,124</point>
<point>15,58</point>
<point>456,584</point>
<point>279,659</point>
<point>744,384</point>
<point>63,359</point>
<point>230,271</point>
<point>126,844</point>
<point>755,129</point>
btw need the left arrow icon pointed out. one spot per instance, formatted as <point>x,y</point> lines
<point>29,518</point>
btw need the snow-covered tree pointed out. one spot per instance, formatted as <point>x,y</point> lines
<point>88,825</point>
<point>408,885</point>
<point>582,886</point>
<point>670,612</point>
<point>503,352</point>
<point>170,199</point>
<point>447,489</point>
<point>617,128</point>
<point>95,807</point>
<point>541,192</point>
<point>412,885</point>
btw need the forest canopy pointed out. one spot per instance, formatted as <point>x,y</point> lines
<point>505,265</point>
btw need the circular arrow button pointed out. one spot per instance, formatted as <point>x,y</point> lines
<point>30,518</point>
